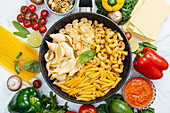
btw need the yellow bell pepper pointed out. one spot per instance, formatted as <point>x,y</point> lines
<point>113,5</point>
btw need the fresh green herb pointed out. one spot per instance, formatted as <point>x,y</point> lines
<point>19,59</point>
<point>145,44</point>
<point>126,10</point>
<point>86,56</point>
<point>22,31</point>
<point>17,68</point>
<point>16,65</point>
<point>20,53</point>
<point>101,108</point>
<point>100,8</point>
<point>149,110</point>
<point>50,105</point>
<point>31,66</point>
<point>20,34</point>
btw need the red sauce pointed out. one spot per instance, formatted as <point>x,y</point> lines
<point>138,92</point>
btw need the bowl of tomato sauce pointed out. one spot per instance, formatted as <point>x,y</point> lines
<point>139,92</point>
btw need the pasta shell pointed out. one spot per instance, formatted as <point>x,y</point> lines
<point>68,27</point>
<point>62,31</point>
<point>49,55</point>
<point>59,77</point>
<point>67,66</point>
<point>86,39</point>
<point>70,40</point>
<point>49,69</point>
<point>76,67</point>
<point>68,50</point>
<point>58,37</point>
<point>60,52</point>
<point>85,27</point>
<point>75,23</point>
<point>85,48</point>
<point>52,46</point>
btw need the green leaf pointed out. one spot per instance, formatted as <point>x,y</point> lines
<point>31,66</point>
<point>55,101</point>
<point>19,59</point>
<point>20,28</point>
<point>17,68</point>
<point>20,34</point>
<point>20,53</point>
<point>86,56</point>
<point>101,108</point>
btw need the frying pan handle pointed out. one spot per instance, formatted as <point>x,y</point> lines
<point>85,6</point>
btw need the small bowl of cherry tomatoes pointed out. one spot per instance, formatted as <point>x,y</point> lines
<point>29,18</point>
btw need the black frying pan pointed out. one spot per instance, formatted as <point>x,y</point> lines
<point>55,29</point>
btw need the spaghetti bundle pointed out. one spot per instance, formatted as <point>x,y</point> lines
<point>10,46</point>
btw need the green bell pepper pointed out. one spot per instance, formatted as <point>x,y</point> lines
<point>25,101</point>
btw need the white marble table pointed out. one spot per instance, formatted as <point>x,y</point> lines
<point>9,9</point>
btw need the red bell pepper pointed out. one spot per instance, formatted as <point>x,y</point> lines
<point>150,64</point>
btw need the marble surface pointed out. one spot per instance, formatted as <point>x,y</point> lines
<point>9,9</point>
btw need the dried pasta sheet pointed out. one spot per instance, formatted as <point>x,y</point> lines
<point>150,16</point>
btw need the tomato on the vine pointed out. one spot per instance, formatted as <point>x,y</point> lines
<point>27,23</point>
<point>87,108</point>
<point>42,21</point>
<point>24,9</point>
<point>21,18</point>
<point>36,83</point>
<point>33,17</point>
<point>128,35</point>
<point>42,29</point>
<point>35,26</point>
<point>32,8</point>
<point>44,13</point>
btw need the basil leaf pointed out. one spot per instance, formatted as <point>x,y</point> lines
<point>19,59</point>
<point>20,28</point>
<point>147,44</point>
<point>31,66</point>
<point>20,34</point>
<point>86,56</point>
<point>17,68</point>
<point>20,53</point>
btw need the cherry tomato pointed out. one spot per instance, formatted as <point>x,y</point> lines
<point>27,23</point>
<point>128,35</point>
<point>42,21</point>
<point>36,83</point>
<point>35,26</point>
<point>21,18</point>
<point>32,8</point>
<point>43,29</point>
<point>24,9</point>
<point>33,17</point>
<point>87,108</point>
<point>70,112</point>
<point>44,13</point>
